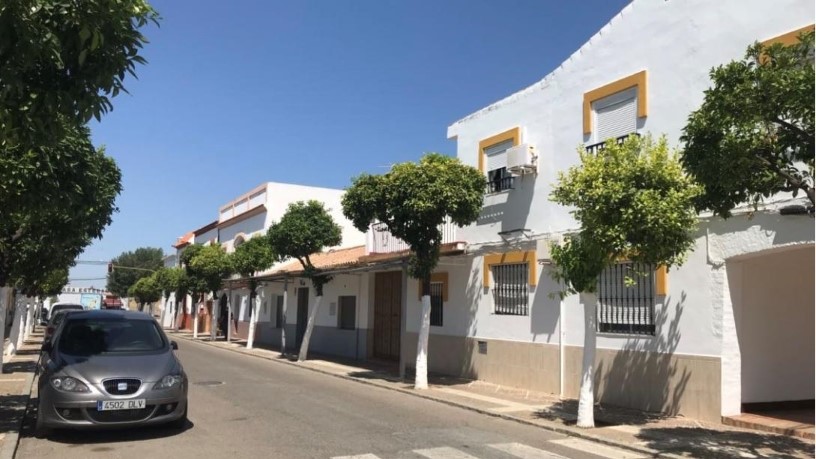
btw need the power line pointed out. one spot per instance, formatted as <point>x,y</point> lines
<point>92,262</point>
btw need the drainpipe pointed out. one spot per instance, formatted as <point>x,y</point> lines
<point>561,334</point>
<point>403,320</point>
<point>357,316</point>
<point>283,318</point>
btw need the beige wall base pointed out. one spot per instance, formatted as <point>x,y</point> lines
<point>674,384</point>
<point>508,363</point>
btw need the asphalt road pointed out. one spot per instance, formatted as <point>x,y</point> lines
<point>242,407</point>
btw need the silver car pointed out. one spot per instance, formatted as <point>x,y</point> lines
<point>110,369</point>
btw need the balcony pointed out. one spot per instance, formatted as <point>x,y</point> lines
<point>500,184</point>
<point>596,147</point>
<point>380,240</point>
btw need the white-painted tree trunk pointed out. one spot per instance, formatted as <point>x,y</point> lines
<point>228,331</point>
<point>304,346</point>
<point>421,377</point>
<point>29,320</point>
<point>195,319</point>
<point>5,293</point>
<point>253,321</point>
<point>283,316</point>
<point>16,335</point>
<point>164,310</point>
<point>216,313</point>
<point>586,397</point>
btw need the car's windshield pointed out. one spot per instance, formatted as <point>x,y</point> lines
<point>107,336</point>
<point>67,307</point>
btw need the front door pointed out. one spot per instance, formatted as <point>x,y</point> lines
<point>302,314</point>
<point>387,314</point>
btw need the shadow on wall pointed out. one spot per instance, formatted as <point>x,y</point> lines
<point>644,374</point>
<point>473,297</point>
<point>545,310</point>
<point>510,208</point>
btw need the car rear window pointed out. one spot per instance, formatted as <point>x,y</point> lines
<point>68,307</point>
<point>110,336</point>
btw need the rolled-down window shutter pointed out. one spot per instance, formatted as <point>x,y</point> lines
<point>496,156</point>
<point>616,115</point>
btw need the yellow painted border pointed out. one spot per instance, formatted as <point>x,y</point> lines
<point>636,80</point>
<point>520,256</point>
<point>788,38</point>
<point>437,277</point>
<point>662,281</point>
<point>512,134</point>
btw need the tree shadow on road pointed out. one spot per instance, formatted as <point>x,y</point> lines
<point>714,444</point>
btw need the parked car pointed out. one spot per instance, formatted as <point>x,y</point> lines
<point>58,311</point>
<point>110,369</point>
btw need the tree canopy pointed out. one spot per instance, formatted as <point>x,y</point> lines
<point>753,135</point>
<point>632,201</point>
<point>145,259</point>
<point>209,267</point>
<point>305,229</point>
<point>55,200</point>
<point>146,290</point>
<point>253,256</point>
<point>413,199</point>
<point>62,60</point>
<point>171,280</point>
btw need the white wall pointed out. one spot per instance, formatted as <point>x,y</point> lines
<point>677,42</point>
<point>775,325</point>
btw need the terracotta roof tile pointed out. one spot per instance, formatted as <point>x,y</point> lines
<point>184,240</point>
<point>335,258</point>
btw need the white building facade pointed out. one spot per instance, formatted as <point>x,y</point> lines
<point>732,326</point>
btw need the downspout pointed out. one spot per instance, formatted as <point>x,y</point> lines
<point>357,316</point>
<point>561,334</point>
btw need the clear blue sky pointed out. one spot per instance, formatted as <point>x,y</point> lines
<point>313,92</point>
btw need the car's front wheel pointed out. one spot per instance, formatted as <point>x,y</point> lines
<point>181,422</point>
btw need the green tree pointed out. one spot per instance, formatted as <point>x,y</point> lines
<point>413,200</point>
<point>753,135</point>
<point>210,266</point>
<point>305,229</point>
<point>170,281</point>
<point>196,285</point>
<point>129,267</point>
<point>146,290</point>
<point>632,201</point>
<point>253,256</point>
<point>55,201</point>
<point>61,61</point>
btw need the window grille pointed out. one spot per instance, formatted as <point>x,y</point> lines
<point>511,288</point>
<point>436,304</point>
<point>346,319</point>
<point>498,179</point>
<point>626,308</point>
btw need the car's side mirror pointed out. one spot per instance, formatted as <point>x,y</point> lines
<point>174,345</point>
<point>47,347</point>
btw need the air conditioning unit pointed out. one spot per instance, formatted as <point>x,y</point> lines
<point>521,159</point>
<point>543,251</point>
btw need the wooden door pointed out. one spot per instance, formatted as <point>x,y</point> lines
<point>302,314</point>
<point>387,314</point>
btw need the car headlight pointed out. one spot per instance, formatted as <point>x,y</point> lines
<point>168,382</point>
<point>69,384</point>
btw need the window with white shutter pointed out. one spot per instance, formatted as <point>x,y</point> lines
<point>615,115</point>
<point>498,179</point>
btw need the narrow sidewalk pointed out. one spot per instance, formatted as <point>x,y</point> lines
<point>649,434</point>
<point>16,381</point>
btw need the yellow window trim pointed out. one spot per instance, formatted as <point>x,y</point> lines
<point>437,277</point>
<point>512,134</point>
<point>520,256</point>
<point>635,80</point>
<point>788,38</point>
<point>661,281</point>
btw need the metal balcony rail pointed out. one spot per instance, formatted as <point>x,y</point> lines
<point>500,184</point>
<point>385,242</point>
<point>596,147</point>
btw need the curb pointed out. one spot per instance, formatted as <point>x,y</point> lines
<point>12,439</point>
<point>414,393</point>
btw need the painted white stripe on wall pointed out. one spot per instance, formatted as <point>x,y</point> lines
<point>524,451</point>
<point>597,449</point>
<point>444,452</point>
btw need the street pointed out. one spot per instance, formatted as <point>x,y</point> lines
<point>241,406</point>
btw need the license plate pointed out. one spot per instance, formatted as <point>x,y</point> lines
<point>110,405</point>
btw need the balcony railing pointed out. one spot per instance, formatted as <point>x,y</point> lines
<point>381,240</point>
<point>596,147</point>
<point>501,184</point>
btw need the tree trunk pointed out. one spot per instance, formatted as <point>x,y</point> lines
<point>586,397</point>
<point>228,331</point>
<point>29,319</point>
<point>304,346</point>
<point>164,311</point>
<point>253,319</point>
<point>215,318</point>
<point>194,311</point>
<point>283,316</point>
<point>16,333</point>
<point>4,303</point>
<point>421,377</point>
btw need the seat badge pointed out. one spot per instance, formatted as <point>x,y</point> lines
<point>121,387</point>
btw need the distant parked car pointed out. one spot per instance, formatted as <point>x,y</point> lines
<point>57,314</point>
<point>110,369</point>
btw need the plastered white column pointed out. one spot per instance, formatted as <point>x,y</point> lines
<point>731,364</point>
